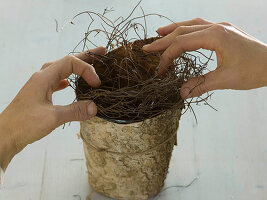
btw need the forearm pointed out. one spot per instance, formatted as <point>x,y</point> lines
<point>7,149</point>
<point>265,67</point>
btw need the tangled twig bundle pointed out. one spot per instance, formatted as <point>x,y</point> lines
<point>130,89</point>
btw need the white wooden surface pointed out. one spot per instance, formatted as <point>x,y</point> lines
<point>227,149</point>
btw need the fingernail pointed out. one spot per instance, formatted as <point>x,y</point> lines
<point>145,47</point>
<point>156,71</point>
<point>158,30</point>
<point>186,93</point>
<point>91,109</point>
<point>160,70</point>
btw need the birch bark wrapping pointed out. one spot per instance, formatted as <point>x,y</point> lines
<point>129,161</point>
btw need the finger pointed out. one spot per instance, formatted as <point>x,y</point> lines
<point>163,43</point>
<point>193,41</point>
<point>62,85</point>
<point>197,86</point>
<point>165,30</point>
<point>87,57</point>
<point>78,111</point>
<point>64,67</point>
<point>83,56</point>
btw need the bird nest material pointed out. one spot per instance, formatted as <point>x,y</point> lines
<point>130,89</point>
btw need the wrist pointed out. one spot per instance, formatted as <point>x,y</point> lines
<point>260,67</point>
<point>265,65</point>
<point>7,146</point>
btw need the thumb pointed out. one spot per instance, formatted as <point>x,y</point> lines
<point>197,86</point>
<point>78,111</point>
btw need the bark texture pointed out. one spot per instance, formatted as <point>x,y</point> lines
<point>129,161</point>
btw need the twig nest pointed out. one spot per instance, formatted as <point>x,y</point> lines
<point>130,88</point>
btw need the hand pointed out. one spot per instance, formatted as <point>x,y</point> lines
<point>32,115</point>
<point>241,59</point>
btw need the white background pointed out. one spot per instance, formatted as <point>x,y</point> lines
<point>227,149</point>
